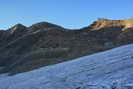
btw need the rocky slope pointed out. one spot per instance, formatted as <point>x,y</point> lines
<point>112,69</point>
<point>26,48</point>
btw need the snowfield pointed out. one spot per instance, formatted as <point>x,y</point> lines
<point>111,69</point>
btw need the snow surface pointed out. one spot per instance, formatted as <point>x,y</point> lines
<point>112,69</point>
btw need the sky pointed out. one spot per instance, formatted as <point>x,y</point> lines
<point>66,13</point>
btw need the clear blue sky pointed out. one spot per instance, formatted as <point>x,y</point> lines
<point>67,13</point>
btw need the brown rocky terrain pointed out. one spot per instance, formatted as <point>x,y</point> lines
<point>104,23</point>
<point>26,48</point>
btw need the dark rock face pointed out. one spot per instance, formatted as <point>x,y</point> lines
<point>26,48</point>
<point>126,37</point>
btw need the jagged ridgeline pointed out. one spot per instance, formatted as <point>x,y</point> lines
<point>26,48</point>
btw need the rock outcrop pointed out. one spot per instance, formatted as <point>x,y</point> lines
<point>18,28</point>
<point>105,23</point>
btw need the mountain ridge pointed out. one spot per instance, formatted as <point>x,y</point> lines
<point>42,44</point>
<point>103,23</point>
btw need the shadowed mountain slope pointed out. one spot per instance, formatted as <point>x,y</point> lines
<point>26,48</point>
<point>112,69</point>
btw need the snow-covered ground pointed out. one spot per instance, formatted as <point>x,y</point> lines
<point>112,69</point>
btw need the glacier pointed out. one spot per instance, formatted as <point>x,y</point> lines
<point>112,69</point>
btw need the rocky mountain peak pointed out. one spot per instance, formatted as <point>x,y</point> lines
<point>105,23</point>
<point>43,25</point>
<point>17,27</point>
